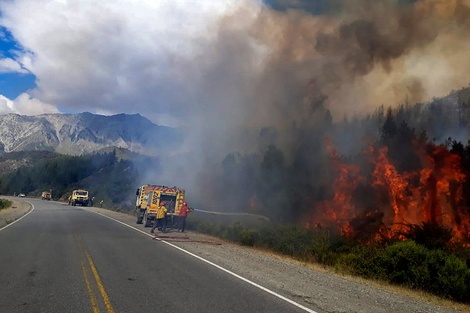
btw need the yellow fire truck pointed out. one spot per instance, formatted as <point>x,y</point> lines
<point>154,194</point>
<point>46,195</point>
<point>80,197</point>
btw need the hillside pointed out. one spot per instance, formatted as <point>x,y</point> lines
<point>10,162</point>
<point>76,134</point>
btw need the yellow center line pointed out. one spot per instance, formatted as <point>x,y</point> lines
<point>94,305</point>
<point>104,295</point>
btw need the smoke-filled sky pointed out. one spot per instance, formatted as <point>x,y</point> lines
<point>224,67</point>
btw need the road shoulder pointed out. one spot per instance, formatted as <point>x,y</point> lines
<point>11,214</point>
<point>308,285</point>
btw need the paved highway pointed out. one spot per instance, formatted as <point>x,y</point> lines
<point>60,258</point>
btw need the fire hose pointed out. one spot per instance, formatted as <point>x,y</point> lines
<point>185,239</point>
<point>232,213</point>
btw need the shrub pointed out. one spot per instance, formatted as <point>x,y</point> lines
<point>435,261</point>
<point>4,203</point>
<point>405,264</point>
<point>453,279</point>
<point>289,240</point>
<point>249,237</point>
<point>366,261</point>
<point>321,247</point>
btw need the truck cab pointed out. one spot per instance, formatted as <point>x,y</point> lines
<point>79,197</point>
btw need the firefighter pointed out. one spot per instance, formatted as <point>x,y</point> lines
<point>160,221</point>
<point>182,217</point>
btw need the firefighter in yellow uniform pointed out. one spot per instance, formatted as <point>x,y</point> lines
<point>160,222</point>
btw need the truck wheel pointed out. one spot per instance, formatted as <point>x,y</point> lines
<point>147,222</point>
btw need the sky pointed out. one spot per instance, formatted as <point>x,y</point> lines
<point>226,68</point>
<point>14,79</point>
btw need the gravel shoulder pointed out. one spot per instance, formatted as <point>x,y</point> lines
<point>11,214</point>
<point>315,287</point>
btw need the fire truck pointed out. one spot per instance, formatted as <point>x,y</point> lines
<point>46,195</point>
<point>79,196</point>
<point>155,194</point>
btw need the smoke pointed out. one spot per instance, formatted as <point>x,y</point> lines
<point>264,67</point>
<point>269,68</point>
<point>227,66</point>
<point>224,70</point>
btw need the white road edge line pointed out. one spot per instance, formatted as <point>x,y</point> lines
<point>8,225</point>
<point>300,306</point>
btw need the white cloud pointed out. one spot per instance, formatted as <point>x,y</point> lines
<point>117,56</point>
<point>8,65</point>
<point>6,105</point>
<point>25,104</point>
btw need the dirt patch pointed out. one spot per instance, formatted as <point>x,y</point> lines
<point>11,214</point>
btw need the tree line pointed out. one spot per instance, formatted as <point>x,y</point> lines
<point>106,176</point>
<point>285,183</point>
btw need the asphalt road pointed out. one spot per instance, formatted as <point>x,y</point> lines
<point>60,258</point>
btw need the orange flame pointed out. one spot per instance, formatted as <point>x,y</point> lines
<point>433,193</point>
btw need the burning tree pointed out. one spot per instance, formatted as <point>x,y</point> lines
<point>394,183</point>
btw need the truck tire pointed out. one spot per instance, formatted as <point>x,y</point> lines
<point>147,222</point>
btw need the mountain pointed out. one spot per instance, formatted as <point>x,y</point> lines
<point>82,133</point>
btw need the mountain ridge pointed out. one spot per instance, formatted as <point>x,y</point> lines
<point>82,133</point>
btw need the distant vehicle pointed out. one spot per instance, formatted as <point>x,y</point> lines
<point>46,195</point>
<point>80,197</point>
<point>21,195</point>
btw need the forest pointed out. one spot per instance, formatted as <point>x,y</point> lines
<point>108,177</point>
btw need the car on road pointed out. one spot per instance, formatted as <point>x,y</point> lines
<point>21,195</point>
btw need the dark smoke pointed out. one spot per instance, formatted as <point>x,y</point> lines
<point>299,73</point>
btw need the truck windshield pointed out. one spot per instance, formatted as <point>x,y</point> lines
<point>82,193</point>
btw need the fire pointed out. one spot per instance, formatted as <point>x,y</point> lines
<point>339,210</point>
<point>391,200</point>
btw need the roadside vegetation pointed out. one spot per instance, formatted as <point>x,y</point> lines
<point>5,204</point>
<point>420,260</point>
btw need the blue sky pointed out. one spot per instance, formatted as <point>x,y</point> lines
<point>13,84</point>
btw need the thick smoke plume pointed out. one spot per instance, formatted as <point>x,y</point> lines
<point>283,69</point>
<point>266,67</point>
<point>239,75</point>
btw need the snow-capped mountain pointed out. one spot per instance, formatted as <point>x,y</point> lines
<point>76,134</point>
